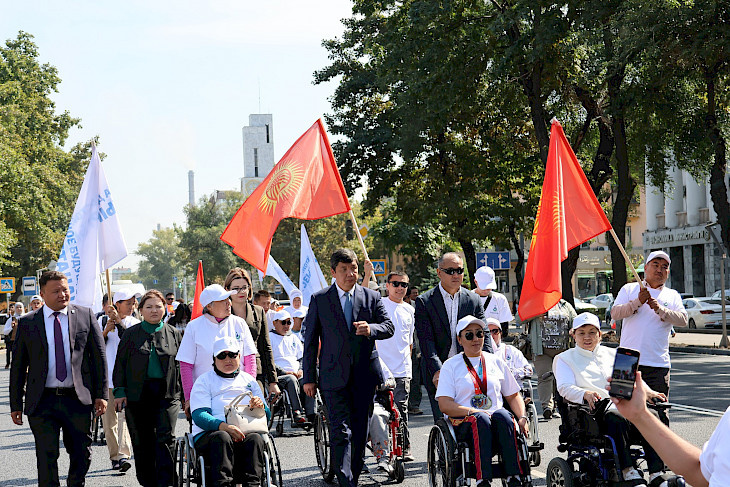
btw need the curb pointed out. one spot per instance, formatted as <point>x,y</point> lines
<point>690,349</point>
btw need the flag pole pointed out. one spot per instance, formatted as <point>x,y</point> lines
<point>359,238</point>
<point>108,286</point>
<point>626,256</point>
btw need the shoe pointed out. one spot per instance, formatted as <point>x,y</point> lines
<point>384,466</point>
<point>632,474</point>
<point>547,414</point>
<point>415,411</point>
<point>124,465</point>
<point>7,366</point>
<point>408,456</point>
<point>116,465</point>
<point>514,481</point>
<point>556,414</point>
<point>299,418</point>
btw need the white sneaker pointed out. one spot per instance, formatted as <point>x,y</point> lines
<point>384,466</point>
<point>632,474</point>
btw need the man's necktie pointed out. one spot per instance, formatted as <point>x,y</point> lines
<point>348,310</point>
<point>60,353</point>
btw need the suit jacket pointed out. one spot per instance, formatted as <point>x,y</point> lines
<point>342,354</point>
<point>30,359</point>
<point>256,320</point>
<point>434,330</point>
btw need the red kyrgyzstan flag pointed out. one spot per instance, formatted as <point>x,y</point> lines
<point>568,215</point>
<point>199,286</point>
<point>304,184</point>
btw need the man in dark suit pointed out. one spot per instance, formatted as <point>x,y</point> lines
<point>437,313</point>
<point>345,320</point>
<point>59,353</point>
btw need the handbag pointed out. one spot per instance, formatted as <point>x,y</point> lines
<point>244,418</point>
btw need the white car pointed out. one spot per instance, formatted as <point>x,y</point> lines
<point>703,312</point>
<point>602,301</point>
<point>718,294</point>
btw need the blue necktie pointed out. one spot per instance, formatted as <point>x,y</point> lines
<point>348,310</point>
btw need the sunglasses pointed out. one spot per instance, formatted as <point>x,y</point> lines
<point>170,299</point>
<point>495,331</point>
<point>453,270</point>
<point>286,322</point>
<point>398,283</point>
<point>224,355</point>
<point>469,335</point>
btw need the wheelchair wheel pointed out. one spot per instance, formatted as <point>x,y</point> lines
<point>559,473</point>
<point>279,429</point>
<point>441,447</point>
<point>180,461</point>
<point>322,447</point>
<point>400,471</point>
<point>98,437</point>
<point>273,465</point>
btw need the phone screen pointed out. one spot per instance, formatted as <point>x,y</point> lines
<point>624,373</point>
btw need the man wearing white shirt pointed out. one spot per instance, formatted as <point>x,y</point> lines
<point>396,350</point>
<point>649,311</point>
<point>495,304</point>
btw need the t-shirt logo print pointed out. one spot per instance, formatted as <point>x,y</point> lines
<point>284,182</point>
<point>238,336</point>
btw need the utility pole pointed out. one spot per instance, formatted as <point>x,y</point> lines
<point>714,230</point>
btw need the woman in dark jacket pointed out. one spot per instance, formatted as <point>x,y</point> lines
<point>147,382</point>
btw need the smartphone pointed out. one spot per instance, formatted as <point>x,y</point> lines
<point>624,373</point>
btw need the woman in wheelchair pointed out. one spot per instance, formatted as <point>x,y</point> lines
<point>581,375</point>
<point>233,457</point>
<point>514,359</point>
<point>472,388</point>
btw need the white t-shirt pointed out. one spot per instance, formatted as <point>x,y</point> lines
<point>214,392</point>
<point>644,330</point>
<point>112,345</point>
<point>288,350</point>
<point>498,307</point>
<point>290,309</point>
<point>514,359</point>
<point>714,459</point>
<point>457,383</point>
<point>197,344</point>
<point>396,350</point>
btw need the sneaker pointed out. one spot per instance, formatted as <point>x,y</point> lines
<point>384,466</point>
<point>415,411</point>
<point>408,456</point>
<point>556,414</point>
<point>124,465</point>
<point>632,474</point>
<point>547,414</point>
<point>116,465</point>
<point>299,418</point>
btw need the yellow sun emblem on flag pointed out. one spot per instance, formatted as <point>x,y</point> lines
<point>284,182</point>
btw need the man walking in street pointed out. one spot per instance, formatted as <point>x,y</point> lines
<point>495,304</point>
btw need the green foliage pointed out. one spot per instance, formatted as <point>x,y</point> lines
<point>161,260</point>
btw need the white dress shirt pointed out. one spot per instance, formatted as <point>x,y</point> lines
<point>452,312</point>
<point>342,293</point>
<point>51,380</point>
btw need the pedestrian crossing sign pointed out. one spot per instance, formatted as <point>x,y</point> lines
<point>7,284</point>
<point>379,267</point>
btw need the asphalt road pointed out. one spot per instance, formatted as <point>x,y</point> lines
<point>697,380</point>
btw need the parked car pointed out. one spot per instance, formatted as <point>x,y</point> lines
<point>703,312</point>
<point>584,307</point>
<point>602,301</point>
<point>718,294</point>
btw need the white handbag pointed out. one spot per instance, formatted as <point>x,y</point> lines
<point>244,418</point>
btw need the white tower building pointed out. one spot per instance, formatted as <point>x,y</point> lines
<point>258,151</point>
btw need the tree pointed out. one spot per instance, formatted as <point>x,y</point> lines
<point>161,260</point>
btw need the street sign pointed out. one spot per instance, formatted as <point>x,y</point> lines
<point>498,261</point>
<point>379,267</point>
<point>7,284</point>
<point>154,281</point>
<point>277,288</point>
<point>29,286</point>
<point>364,229</point>
<point>174,278</point>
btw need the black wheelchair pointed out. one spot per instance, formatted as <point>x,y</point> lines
<point>592,457</point>
<point>322,446</point>
<point>190,467</point>
<point>533,437</point>
<point>97,431</point>
<point>451,462</point>
<point>281,411</point>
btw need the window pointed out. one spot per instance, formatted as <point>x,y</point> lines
<point>255,162</point>
<point>628,234</point>
<point>267,133</point>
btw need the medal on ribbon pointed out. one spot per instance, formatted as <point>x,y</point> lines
<point>481,401</point>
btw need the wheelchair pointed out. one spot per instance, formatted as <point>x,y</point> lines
<point>592,458</point>
<point>97,431</point>
<point>281,410</point>
<point>190,467</point>
<point>451,462</point>
<point>534,444</point>
<point>322,446</point>
<point>396,430</point>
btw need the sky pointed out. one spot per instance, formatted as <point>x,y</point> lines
<point>167,87</point>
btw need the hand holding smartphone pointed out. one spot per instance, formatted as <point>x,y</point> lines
<point>624,373</point>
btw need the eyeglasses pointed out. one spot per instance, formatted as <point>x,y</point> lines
<point>239,289</point>
<point>469,335</point>
<point>398,283</point>
<point>453,270</point>
<point>224,355</point>
<point>170,299</point>
<point>286,322</point>
<point>495,331</point>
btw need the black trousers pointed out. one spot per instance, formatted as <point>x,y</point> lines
<point>53,415</point>
<point>151,422</point>
<point>348,411</point>
<point>430,390</point>
<point>625,434</point>
<point>295,388</point>
<point>232,462</point>
<point>658,379</point>
<point>8,350</point>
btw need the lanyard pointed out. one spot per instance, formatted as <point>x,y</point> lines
<point>480,386</point>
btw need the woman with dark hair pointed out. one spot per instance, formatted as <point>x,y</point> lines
<point>147,383</point>
<point>239,280</point>
<point>181,317</point>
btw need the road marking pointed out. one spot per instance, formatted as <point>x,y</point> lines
<point>706,412</point>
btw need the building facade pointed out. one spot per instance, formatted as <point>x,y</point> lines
<point>258,151</point>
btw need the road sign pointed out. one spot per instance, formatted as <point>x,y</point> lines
<point>380,269</point>
<point>364,229</point>
<point>29,286</point>
<point>7,284</point>
<point>174,278</point>
<point>154,281</point>
<point>498,261</point>
<point>277,289</point>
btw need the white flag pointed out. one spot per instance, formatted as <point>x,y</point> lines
<point>274,270</point>
<point>94,240</point>
<point>311,278</point>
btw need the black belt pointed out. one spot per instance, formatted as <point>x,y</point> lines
<point>61,391</point>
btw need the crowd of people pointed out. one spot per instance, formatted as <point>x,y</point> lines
<point>143,361</point>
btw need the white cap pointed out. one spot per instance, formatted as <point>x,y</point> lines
<point>495,322</point>
<point>484,276</point>
<point>658,254</point>
<point>298,313</point>
<point>34,297</point>
<point>226,344</point>
<point>296,293</point>
<point>212,293</point>
<point>125,294</point>
<point>281,315</point>
<point>586,319</point>
<point>372,285</point>
<point>468,320</point>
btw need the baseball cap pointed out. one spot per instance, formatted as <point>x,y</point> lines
<point>214,292</point>
<point>495,322</point>
<point>298,313</point>
<point>34,297</point>
<point>658,254</point>
<point>225,344</point>
<point>586,319</point>
<point>125,294</point>
<point>281,315</point>
<point>468,320</point>
<point>484,276</point>
<point>296,293</point>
